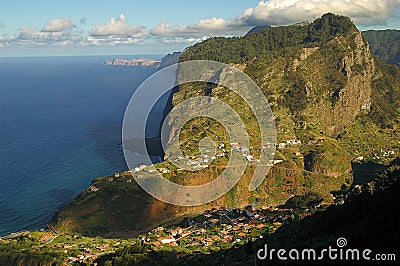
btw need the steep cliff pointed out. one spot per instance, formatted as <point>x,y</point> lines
<point>322,72</point>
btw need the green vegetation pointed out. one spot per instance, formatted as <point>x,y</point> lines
<point>385,44</point>
<point>270,41</point>
<point>296,97</point>
<point>49,248</point>
<point>308,200</point>
<point>385,106</point>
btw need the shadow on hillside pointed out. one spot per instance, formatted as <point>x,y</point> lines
<point>365,172</point>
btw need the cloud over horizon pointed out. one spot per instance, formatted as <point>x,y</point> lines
<point>117,31</point>
<point>57,32</point>
<point>118,26</point>
<point>58,25</point>
<point>284,12</point>
<point>211,26</point>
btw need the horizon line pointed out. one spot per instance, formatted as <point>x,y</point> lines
<point>84,55</point>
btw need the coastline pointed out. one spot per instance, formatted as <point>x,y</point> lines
<point>153,144</point>
<point>141,62</point>
<point>150,142</point>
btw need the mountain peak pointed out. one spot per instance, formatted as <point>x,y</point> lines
<point>270,39</point>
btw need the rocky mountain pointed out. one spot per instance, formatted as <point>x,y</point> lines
<point>335,108</point>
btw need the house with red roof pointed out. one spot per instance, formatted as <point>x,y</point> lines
<point>46,237</point>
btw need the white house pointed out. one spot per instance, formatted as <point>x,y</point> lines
<point>167,239</point>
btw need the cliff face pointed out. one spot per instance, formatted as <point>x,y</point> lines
<point>335,99</point>
<point>324,88</point>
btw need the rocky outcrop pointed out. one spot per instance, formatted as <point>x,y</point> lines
<point>143,62</point>
<point>348,94</point>
<point>355,97</point>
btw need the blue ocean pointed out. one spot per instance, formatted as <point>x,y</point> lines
<point>60,127</point>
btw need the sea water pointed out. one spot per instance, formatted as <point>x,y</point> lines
<point>60,127</point>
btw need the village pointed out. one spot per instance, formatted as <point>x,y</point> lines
<point>221,227</point>
<point>218,228</point>
<point>72,248</point>
<point>203,161</point>
<point>215,229</point>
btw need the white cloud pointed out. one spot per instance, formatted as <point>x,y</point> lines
<point>211,24</point>
<point>281,12</point>
<point>27,33</point>
<point>162,29</point>
<point>57,32</point>
<point>182,40</point>
<point>118,26</point>
<point>209,27</point>
<point>58,25</point>
<point>110,40</point>
<point>116,32</point>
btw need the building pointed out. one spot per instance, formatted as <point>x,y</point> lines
<point>46,237</point>
<point>167,239</point>
<point>92,188</point>
<point>249,211</point>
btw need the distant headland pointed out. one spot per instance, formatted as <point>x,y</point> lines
<point>143,62</point>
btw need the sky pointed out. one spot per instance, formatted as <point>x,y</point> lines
<point>108,27</point>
